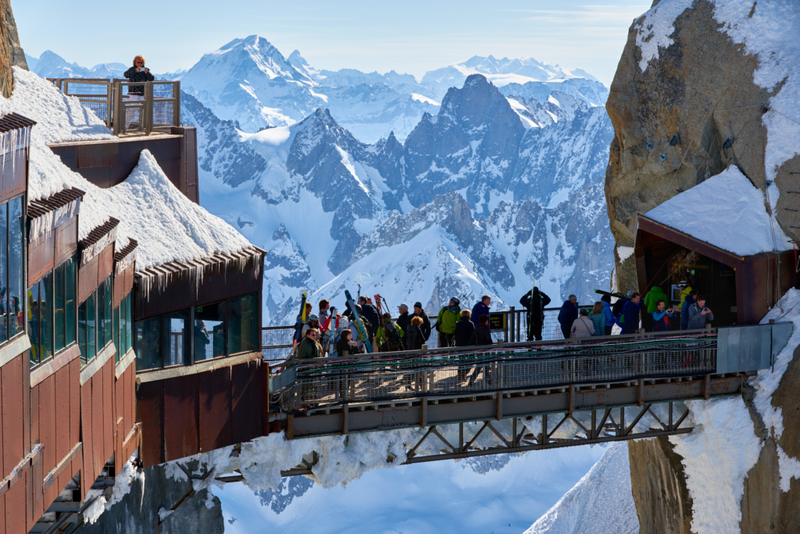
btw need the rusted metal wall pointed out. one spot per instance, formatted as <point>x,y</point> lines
<point>186,415</point>
<point>97,421</point>
<point>123,284</point>
<point>183,292</point>
<point>108,163</point>
<point>126,438</point>
<point>94,272</point>
<point>12,176</point>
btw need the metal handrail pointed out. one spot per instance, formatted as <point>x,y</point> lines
<point>112,102</point>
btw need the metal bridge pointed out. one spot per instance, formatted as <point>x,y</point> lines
<point>522,396</point>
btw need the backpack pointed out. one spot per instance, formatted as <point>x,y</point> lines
<point>392,336</point>
<point>616,310</point>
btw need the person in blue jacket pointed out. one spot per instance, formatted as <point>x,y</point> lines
<point>661,317</point>
<point>568,315</point>
<point>608,313</point>
<point>687,303</point>
<point>481,308</point>
<point>629,318</point>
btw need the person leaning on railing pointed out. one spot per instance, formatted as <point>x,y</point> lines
<point>138,73</point>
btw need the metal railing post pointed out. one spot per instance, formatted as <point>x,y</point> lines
<point>147,127</point>
<point>109,99</point>
<point>176,106</point>
<point>119,115</point>
<point>512,317</point>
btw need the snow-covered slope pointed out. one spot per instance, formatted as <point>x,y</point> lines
<point>471,202</point>
<point>599,503</point>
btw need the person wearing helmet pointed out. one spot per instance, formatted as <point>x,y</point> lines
<point>311,322</point>
<point>446,322</point>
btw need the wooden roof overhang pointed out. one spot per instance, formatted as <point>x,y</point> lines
<point>52,231</point>
<point>753,295</point>
<point>178,285</point>
<point>97,257</point>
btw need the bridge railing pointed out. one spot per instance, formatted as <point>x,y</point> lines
<point>157,109</point>
<point>447,372</point>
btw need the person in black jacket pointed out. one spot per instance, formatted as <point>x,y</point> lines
<point>568,315</point>
<point>535,301</point>
<point>464,330</point>
<point>372,319</point>
<point>414,337</point>
<point>426,323</point>
<point>138,73</point>
<point>403,321</point>
<point>483,334</point>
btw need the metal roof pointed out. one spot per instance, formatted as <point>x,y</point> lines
<point>220,258</point>
<point>98,233</point>
<point>15,121</point>
<point>37,208</point>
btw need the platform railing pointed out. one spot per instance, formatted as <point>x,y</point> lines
<point>521,366</point>
<point>157,109</point>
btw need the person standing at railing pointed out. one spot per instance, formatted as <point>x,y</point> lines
<point>535,302</point>
<point>567,315</point>
<point>446,322</point>
<point>415,338</point>
<point>137,73</point>
<point>699,314</point>
<point>598,319</point>
<point>310,347</point>
<point>426,323</point>
<point>583,326</point>
<point>404,321</point>
<point>608,313</point>
<point>629,318</point>
<point>688,300</point>
<point>481,308</point>
<point>661,317</point>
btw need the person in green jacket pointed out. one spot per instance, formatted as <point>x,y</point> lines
<point>651,303</point>
<point>446,322</point>
<point>389,336</point>
<point>310,347</point>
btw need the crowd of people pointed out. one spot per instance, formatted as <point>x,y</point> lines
<point>330,333</point>
<point>633,314</point>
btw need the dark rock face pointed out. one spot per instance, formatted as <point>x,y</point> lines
<point>700,88</point>
<point>138,511</point>
<point>11,53</point>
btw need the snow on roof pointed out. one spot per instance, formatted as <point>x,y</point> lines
<point>168,226</point>
<point>726,211</point>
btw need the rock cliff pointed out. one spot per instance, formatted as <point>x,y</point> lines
<point>11,53</point>
<point>691,97</point>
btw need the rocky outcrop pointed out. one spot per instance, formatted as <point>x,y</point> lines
<point>11,53</point>
<point>681,116</point>
<point>672,122</point>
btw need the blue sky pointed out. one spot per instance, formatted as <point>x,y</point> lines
<point>411,36</point>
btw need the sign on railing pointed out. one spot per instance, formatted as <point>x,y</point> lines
<point>128,107</point>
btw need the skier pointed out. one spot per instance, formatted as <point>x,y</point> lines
<point>567,315</point>
<point>535,301</point>
<point>446,322</point>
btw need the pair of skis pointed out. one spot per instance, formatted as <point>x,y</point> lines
<point>359,323</point>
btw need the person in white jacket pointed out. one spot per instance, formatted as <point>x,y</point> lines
<point>583,326</point>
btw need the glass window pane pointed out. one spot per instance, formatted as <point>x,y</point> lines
<point>243,327</point>
<point>128,322</point>
<point>34,328</point>
<point>16,284</point>
<point>70,296</point>
<point>101,300</point>
<point>4,308</point>
<point>176,339</point>
<point>148,343</point>
<point>117,341</point>
<point>108,327</point>
<point>209,331</point>
<point>46,315</point>
<point>82,326</point>
<point>91,327</point>
<point>59,307</point>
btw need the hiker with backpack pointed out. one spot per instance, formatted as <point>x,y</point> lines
<point>389,336</point>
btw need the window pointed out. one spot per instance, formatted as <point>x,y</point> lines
<point>87,332</point>
<point>70,300</point>
<point>59,307</point>
<point>148,344</point>
<point>243,327</point>
<point>16,273</point>
<point>104,313</point>
<point>116,334</point>
<point>51,318</point>
<point>219,329</point>
<point>122,326</point>
<point>177,346</point>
